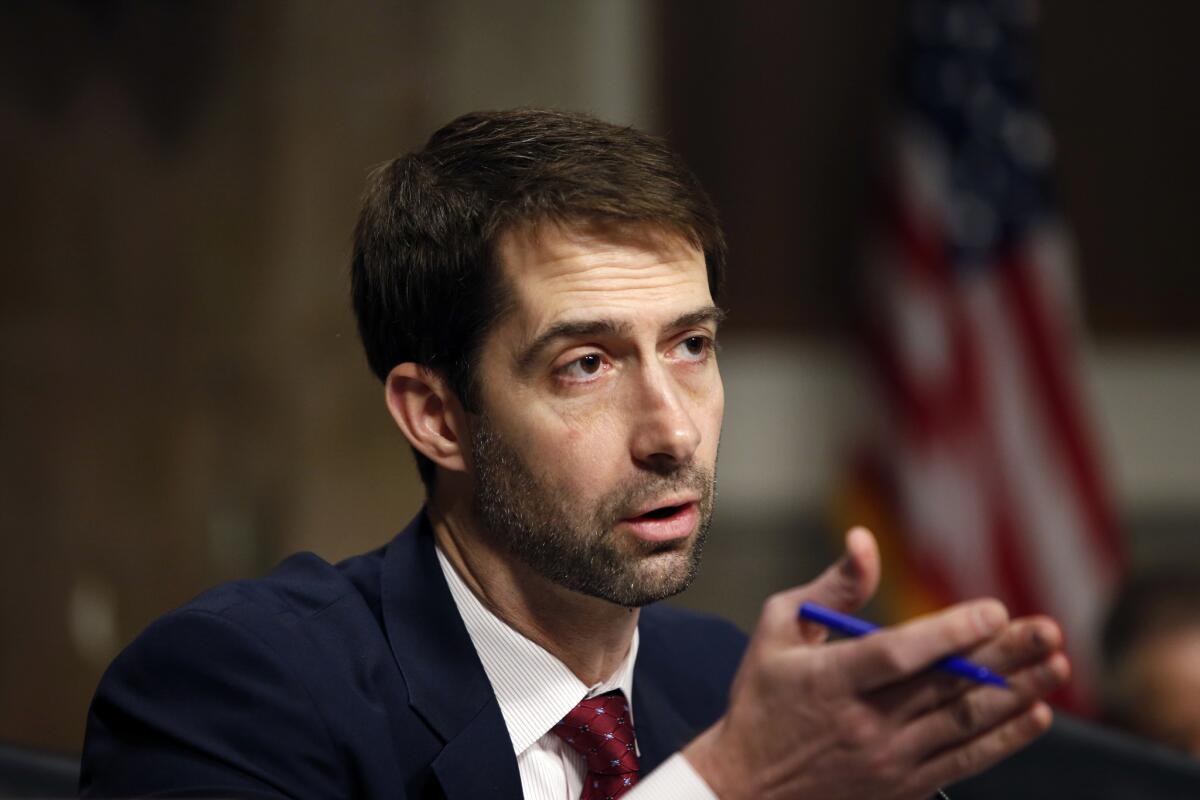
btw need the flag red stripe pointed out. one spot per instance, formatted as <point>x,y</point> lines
<point>924,251</point>
<point>1043,351</point>
<point>966,410</point>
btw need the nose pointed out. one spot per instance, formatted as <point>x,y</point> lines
<point>664,433</point>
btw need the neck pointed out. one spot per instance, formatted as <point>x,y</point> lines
<point>589,635</point>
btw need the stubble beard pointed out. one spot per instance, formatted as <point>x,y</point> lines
<point>578,546</point>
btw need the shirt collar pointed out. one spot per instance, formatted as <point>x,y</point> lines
<point>533,688</point>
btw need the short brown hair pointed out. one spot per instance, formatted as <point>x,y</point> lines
<point>424,279</point>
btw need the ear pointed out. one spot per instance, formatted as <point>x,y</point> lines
<point>428,414</point>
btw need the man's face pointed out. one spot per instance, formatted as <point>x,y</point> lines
<point>595,453</point>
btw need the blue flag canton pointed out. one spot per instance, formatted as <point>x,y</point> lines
<point>967,78</point>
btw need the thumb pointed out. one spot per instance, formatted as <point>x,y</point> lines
<point>846,585</point>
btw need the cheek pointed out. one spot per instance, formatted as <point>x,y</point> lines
<point>577,446</point>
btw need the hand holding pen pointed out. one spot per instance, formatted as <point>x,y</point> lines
<point>853,626</point>
<point>872,716</point>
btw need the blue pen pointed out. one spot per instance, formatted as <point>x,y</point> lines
<point>853,626</point>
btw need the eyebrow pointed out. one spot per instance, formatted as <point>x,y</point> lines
<point>606,327</point>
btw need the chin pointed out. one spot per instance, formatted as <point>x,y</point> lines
<point>663,574</point>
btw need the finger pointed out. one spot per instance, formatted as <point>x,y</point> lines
<point>981,709</point>
<point>1022,643</point>
<point>985,750</point>
<point>845,585</point>
<point>897,654</point>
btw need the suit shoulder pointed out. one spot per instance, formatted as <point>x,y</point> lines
<point>189,703</point>
<point>300,587</point>
<point>242,689</point>
<point>314,618</point>
<point>287,623</point>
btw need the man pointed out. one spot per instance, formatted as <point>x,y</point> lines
<point>537,291</point>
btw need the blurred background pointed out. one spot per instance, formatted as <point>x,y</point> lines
<point>960,293</point>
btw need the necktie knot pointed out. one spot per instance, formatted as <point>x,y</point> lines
<point>600,730</point>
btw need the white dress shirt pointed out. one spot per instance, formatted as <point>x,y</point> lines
<point>535,690</point>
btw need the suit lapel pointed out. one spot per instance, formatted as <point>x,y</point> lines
<point>479,761</point>
<point>661,730</point>
<point>447,685</point>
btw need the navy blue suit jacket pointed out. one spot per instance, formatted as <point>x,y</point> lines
<point>354,680</point>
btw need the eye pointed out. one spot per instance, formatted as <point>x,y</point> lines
<point>584,369</point>
<point>693,348</point>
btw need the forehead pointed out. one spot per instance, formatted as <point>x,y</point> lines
<point>557,273</point>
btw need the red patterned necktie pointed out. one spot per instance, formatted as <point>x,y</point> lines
<point>600,730</point>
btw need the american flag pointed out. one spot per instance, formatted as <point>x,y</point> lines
<point>982,476</point>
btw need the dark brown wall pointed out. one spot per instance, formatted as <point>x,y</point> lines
<point>1122,89</point>
<point>183,400</point>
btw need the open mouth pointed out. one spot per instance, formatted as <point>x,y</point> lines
<point>666,523</point>
<point>663,513</point>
